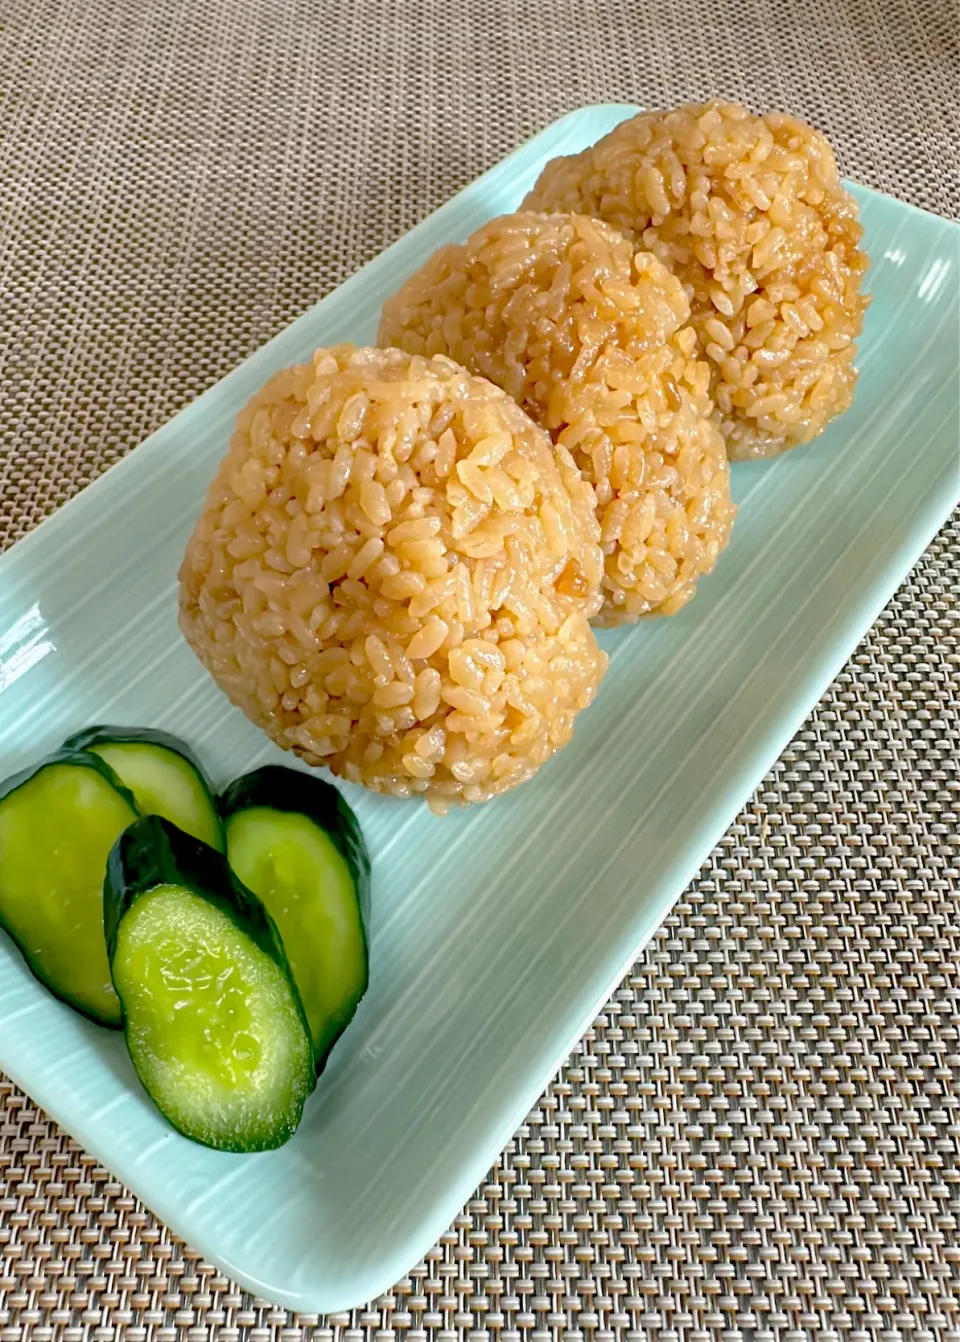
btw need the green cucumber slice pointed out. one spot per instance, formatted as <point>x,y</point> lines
<point>294,841</point>
<point>58,823</point>
<point>213,1020</point>
<point>163,774</point>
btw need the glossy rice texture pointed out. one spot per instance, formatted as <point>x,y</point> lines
<point>589,336</point>
<point>750,214</point>
<point>393,576</point>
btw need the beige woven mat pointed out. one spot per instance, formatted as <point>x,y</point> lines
<point>760,1137</point>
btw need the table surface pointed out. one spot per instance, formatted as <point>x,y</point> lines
<point>759,1138</point>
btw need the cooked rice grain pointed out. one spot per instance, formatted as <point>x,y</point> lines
<point>749,212</point>
<point>393,576</point>
<point>589,338</point>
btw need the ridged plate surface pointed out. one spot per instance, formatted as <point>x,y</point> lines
<point>499,931</point>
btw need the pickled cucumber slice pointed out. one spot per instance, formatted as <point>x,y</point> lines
<point>58,823</point>
<point>212,1017</point>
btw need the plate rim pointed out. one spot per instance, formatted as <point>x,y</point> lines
<point>368,1282</point>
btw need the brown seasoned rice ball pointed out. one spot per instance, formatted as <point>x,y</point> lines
<point>393,576</point>
<point>590,339</point>
<point>750,213</point>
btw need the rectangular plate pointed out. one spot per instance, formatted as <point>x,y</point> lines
<point>499,931</point>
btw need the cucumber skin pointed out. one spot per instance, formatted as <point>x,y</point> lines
<point>66,754</point>
<point>79,759</point>
<point>277,788</point>
<point>102,735</point>
<point>153,852</point>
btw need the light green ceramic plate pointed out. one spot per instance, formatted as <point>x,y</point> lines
<point>498,932</point>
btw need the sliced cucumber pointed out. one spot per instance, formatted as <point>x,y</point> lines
<point>294,841</point>
<point>213,1019</point>
<point>58,823</point>
<point>162,773</point>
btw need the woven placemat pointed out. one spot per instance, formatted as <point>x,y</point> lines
<point>760,1137</point>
